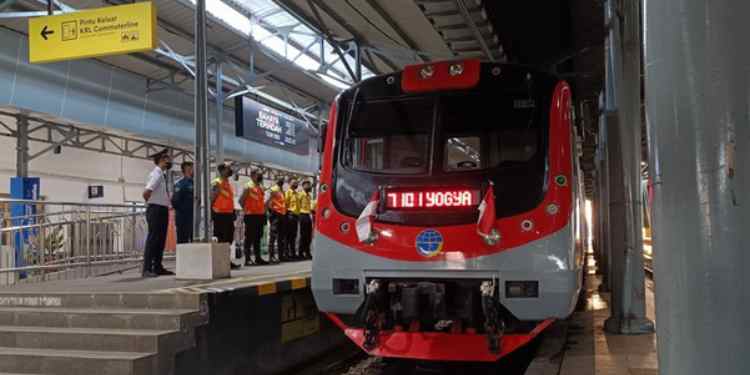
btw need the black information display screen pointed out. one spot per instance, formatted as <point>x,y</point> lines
<point>260,123</point>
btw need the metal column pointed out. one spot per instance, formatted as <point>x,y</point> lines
<point>22,147</point>
<point>603,202</point>
<point>203,167</point>
<point>698,102</point>
<point>219,76</point>
<point>627,276</point>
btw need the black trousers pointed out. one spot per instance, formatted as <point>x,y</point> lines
<point>292,222</point>
<point>224,227</point>
<point>184,223</point>
<point>253,233</point>
<point>305,234</point>
<point>276,235</point>
<point>157,218</point>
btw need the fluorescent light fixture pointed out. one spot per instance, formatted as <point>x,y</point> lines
<point>301,35</point>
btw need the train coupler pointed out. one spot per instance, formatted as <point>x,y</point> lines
<point>372,316</point>
<point>494,326</point>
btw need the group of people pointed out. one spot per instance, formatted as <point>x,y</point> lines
<point>288,212</point>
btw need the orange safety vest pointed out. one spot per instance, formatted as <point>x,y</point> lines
<point>254,204</point>
<point>278,204</point>
<point>224,203</point>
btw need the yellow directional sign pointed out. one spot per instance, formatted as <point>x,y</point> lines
<point>91,33</point>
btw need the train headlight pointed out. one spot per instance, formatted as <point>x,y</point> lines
<point>553,209</point>
<point>456,69</point>
<point>522,289</point>
<point>493,238</point>
<point>427,72</point>
<point>344,227</point>
<point>527,225</point>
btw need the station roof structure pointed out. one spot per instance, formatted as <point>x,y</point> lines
<point>297,54</point>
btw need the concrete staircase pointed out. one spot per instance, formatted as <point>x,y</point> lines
<point>97,334</point>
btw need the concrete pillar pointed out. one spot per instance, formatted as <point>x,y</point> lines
<point>628,302</point>
<point>603,204</point>
<point>698,105</point>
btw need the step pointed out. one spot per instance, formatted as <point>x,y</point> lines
<point>105,300</point>
<point>119,340</point>
<point>76,362</point>
<point>172,319</point>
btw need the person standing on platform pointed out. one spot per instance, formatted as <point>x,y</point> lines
<point>277,211</point>
<point>182,202</point>
<point>222,207</point>
<point>157,216</point>
<point>253,204</point>
<point>292,221</point>
<point>306,206</point>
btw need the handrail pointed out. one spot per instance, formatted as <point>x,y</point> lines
<point>78,204</point>
<point>79,264</point>
<point>64,236</point>
<point>67,222</point>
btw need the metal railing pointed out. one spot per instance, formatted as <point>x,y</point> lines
<point>41,241</point>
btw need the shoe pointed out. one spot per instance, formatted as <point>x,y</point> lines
<point>164,272</point>
<point>260,262</point>
<point>234,266</point>
<point>149,274</point>
<point>249,263</point>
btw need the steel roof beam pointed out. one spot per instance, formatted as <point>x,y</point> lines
<point>401,33</point>
<point>475,29</point>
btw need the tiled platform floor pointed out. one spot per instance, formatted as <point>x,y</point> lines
<point>591,351</point>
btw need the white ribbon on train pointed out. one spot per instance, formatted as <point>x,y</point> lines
<point>366,218</point>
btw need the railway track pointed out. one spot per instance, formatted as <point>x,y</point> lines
<point>351,361</point>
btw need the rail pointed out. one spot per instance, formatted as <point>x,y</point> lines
<point>42,240</point>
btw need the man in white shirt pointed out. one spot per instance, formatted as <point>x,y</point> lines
<point>157,216</point>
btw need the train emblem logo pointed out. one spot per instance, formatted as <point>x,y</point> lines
<point>429,243</point>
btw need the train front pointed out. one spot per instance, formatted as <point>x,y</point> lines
<point>448,216</point>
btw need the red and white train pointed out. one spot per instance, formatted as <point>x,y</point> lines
<point>450,215</point>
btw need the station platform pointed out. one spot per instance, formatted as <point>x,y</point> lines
<point>262,320</point>
<point>132,282</point>
<point>580,346</point>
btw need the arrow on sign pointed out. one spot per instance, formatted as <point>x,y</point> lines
<point>46,32</point>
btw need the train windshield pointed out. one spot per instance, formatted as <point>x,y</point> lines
<point>391,136</point>
<point>396,136</point>
<point>458,140</point>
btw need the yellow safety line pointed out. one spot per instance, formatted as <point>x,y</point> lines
<point>265,289</point>
<point>240,280</point>
<point>299,283</point>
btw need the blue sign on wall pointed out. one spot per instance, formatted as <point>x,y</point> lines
<point>22,213</point>
<point>261,123</point>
